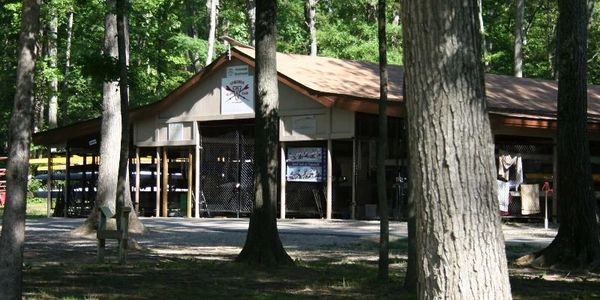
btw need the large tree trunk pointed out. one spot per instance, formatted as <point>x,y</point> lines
<point>123,186</point>
<point>460,245</point>
<point>12,238</point>
<point>263,245</point>
<point>213,11</point>
<point>577,243</point>
<point>52,63</point>
<point>110,145</point>
<point>518,49</point>
<point>384,228</point>
<point>310,16</point>
<point>251,20</point>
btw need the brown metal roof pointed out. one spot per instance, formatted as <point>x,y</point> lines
<point>354,85</point>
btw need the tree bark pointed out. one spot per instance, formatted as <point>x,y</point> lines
<point>190,11</point>
<point>52,63</point>
<point>310,16</point>
<point>518,49</point>
<point>410,279</point>
<point>384,228</point>
<point>251,20</point>
<point>263,246</point>
<point>110,144</point>
<point>213,11</point>
<point>64,107</point>
<point>577,243</point>
<point>460,244</point>
<point>12,238</point>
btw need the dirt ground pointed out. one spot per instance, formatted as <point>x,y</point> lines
<point>311,243</point>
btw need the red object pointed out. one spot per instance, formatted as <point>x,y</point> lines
<point>2,197</point>
<point>546,187</point>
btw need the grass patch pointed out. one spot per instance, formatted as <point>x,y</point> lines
<point>36,208</point>
<point>204,279</point>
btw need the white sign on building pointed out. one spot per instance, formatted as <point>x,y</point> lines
<point>237,95</point>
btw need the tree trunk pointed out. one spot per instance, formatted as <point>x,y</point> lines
<point>518,50</point>
<point>110,145</point>
<point>12,237</point>
<point>396,22</point>
<point>577,243</point>
<point>384,228</point>
<point>460,245</point>
<point>251,20</point>
<point>263,245</point>
<point>213,11</point>
<point>482,33</point>
<point>52,59</point>
<point>122,188</point>
<point>310,13</point>
<point>190,11</point>
<point>410,279</point>
<point>64,107</point>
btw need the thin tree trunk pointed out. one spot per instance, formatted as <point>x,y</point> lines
<point>577,243</point>
<point>52,63</point>
<point>64,107</point>
<point>213,13</point>
<point>251,20</point>
<point>310,16</point>
<point>396,22</point>
<point>384,228</point>
<point>263,245</point>
<point>518,49</point>
<point>460,244</point>
<point>190,11</point>
<point>12,238</point>
<point>122,188</point>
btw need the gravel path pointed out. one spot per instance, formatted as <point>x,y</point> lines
<point>220,238</point>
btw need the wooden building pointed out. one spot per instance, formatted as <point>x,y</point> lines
<point>192,151</point>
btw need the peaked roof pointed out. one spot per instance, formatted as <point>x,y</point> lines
<point>354,86</point>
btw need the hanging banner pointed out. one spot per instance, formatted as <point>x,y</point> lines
<point>237,95</point>
<point>305,164</point>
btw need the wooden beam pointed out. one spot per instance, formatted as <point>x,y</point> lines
<point>282,178</point>
<point>165,183</point>
<point>157,210</point>
<point>329,198</point>
<point>137,180</point>
<point>190,183</point>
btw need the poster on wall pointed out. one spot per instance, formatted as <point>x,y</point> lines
<point>305,164</point>
<point>237,95</point>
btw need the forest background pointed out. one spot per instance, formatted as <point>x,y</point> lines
<point>169,41</point>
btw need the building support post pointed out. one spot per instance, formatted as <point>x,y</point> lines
<point>353,180</point>
<point>67,178</point>
<point>190,173</point>
<point>329,197</point>
<point>282,178</point>
<point>555,216</point>
<point>137,179</point>
<point>197,167</point>
<point>165,183</point>
<point>157,211</point>
<point>49,184</point>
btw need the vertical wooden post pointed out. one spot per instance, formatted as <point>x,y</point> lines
<point>282,178</point>
<point>190,183</point>
<point>165,183</point>
<point>67,178</point>
<point>137,179</point>
<point>198,174</point>
<point>354,162</point>
<point>157,211</point>
<point>329,180</point>
<point>49,184</point>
